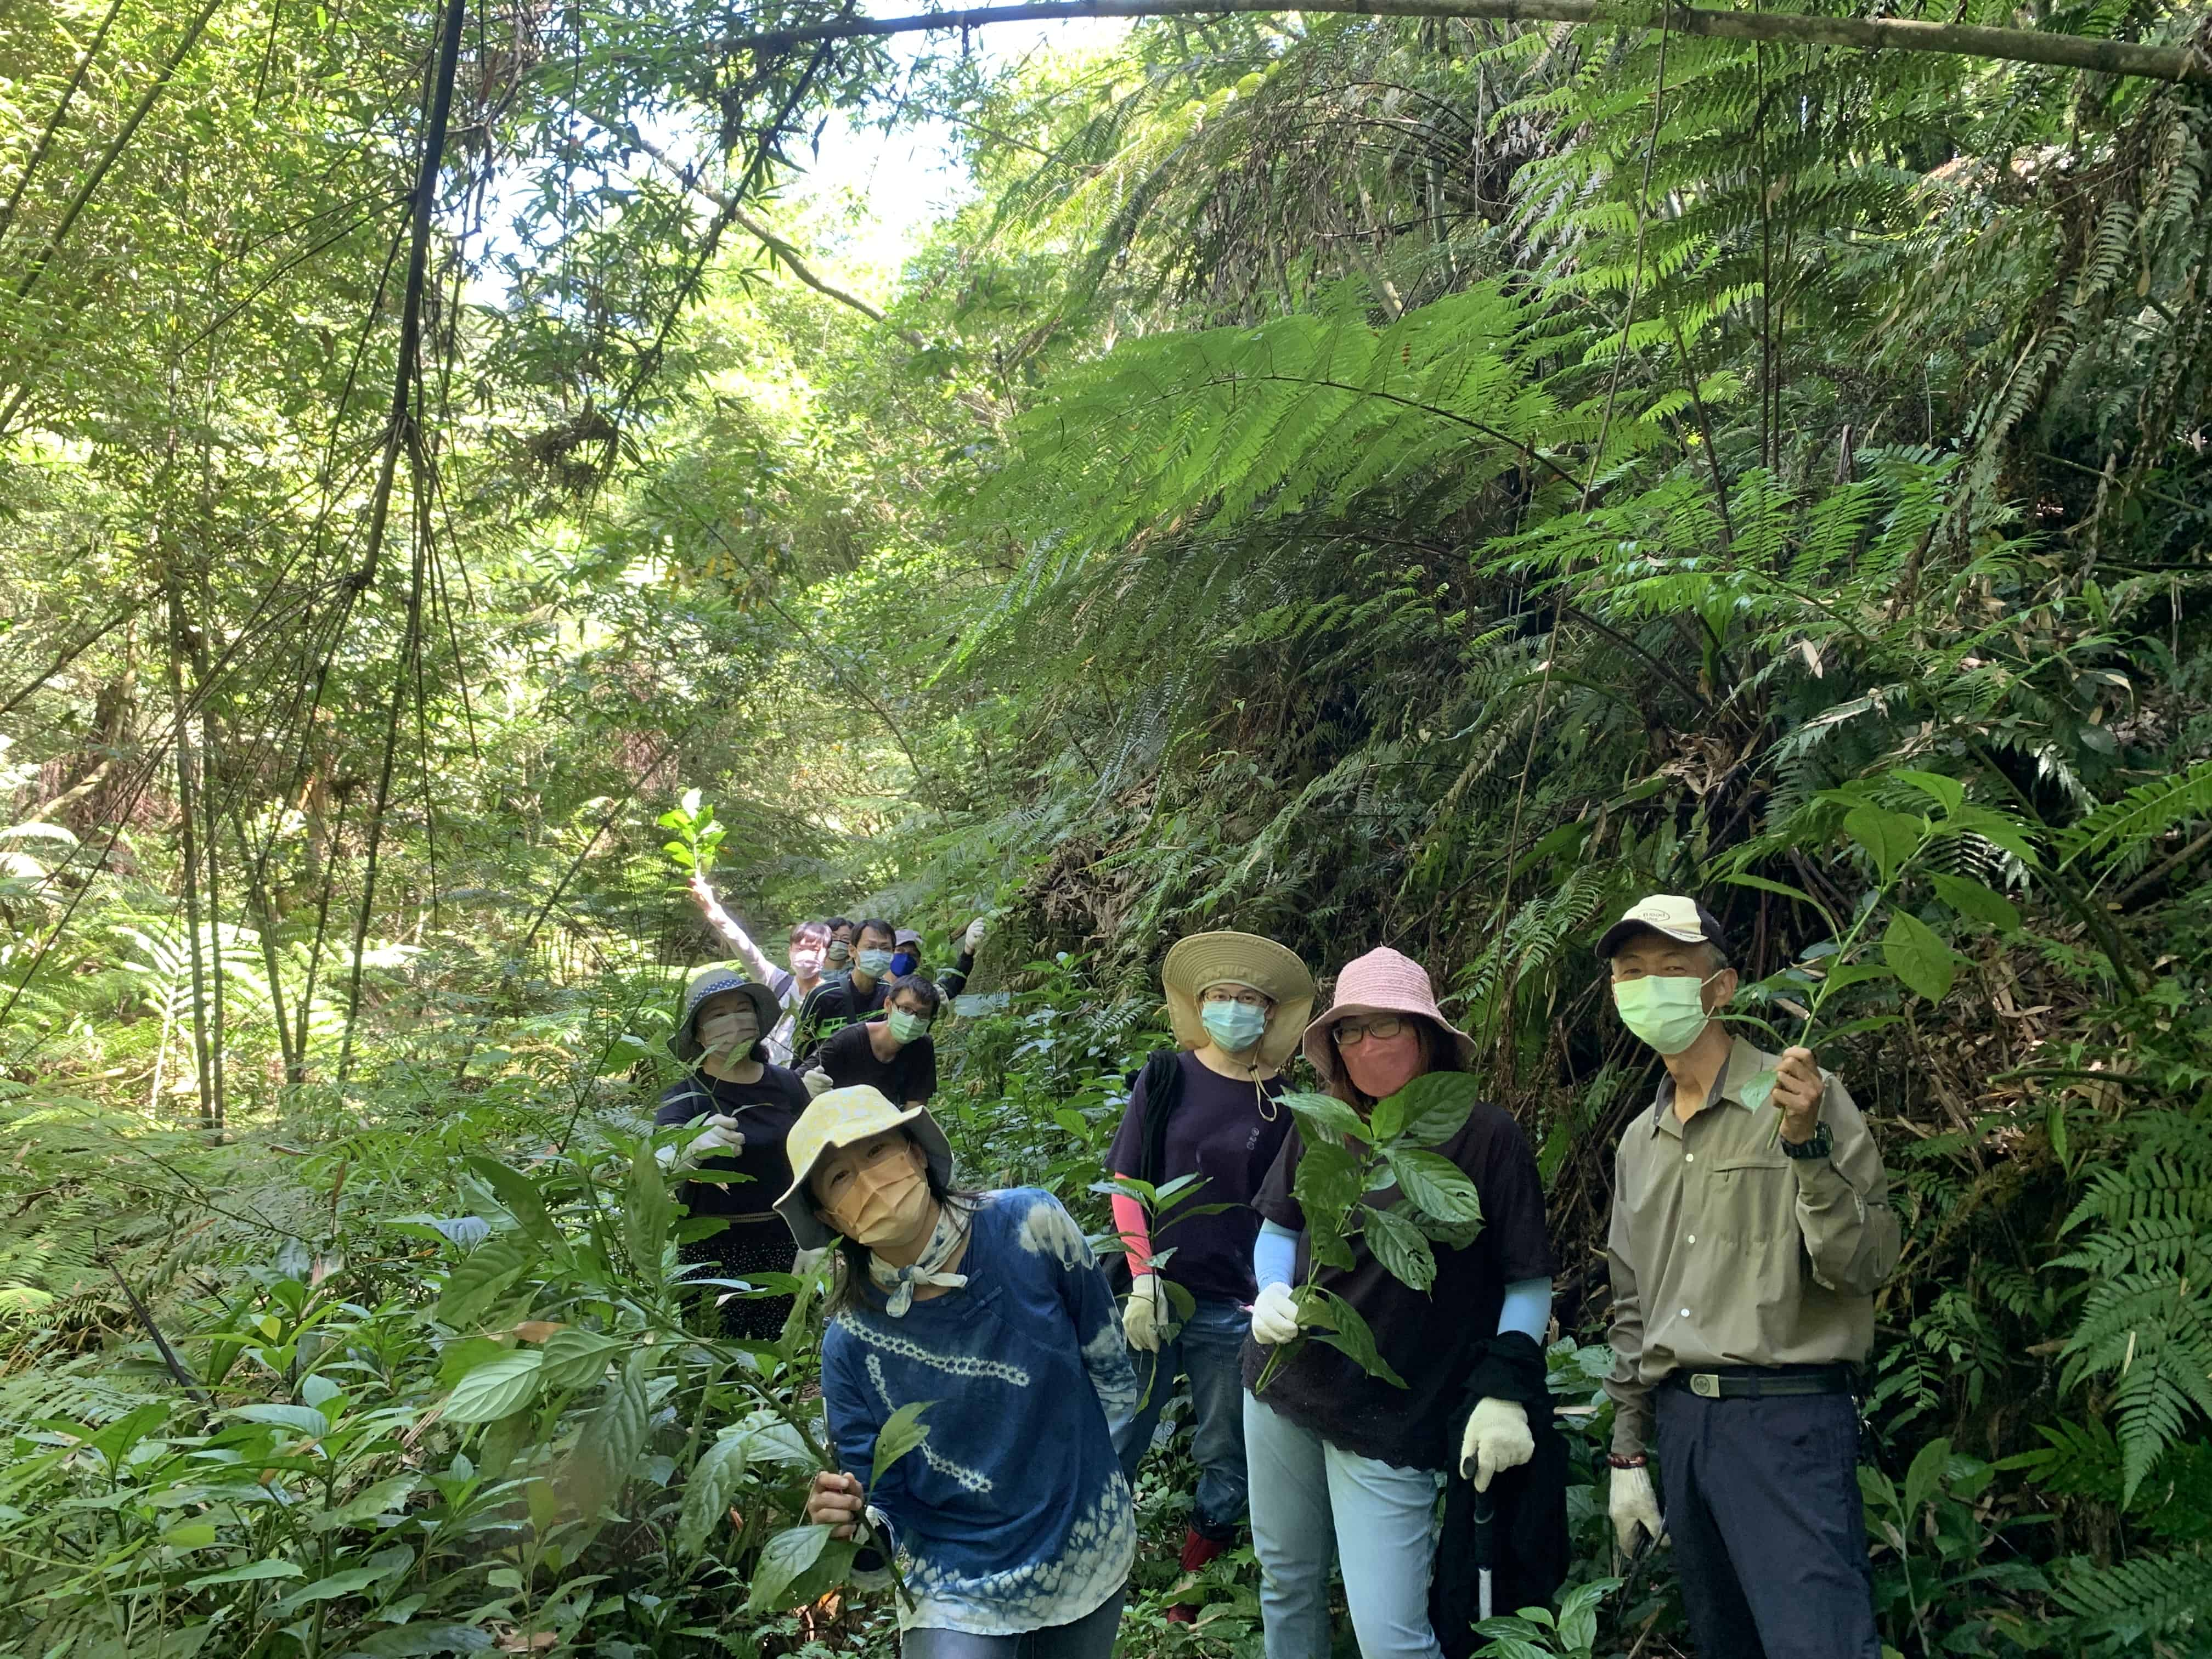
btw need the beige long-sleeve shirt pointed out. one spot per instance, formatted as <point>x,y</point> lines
<point>1725,1252</point>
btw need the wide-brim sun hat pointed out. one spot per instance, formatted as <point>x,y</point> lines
<point>1205,960</point>
<point>1383,982</point>
<point>683,1041</point>
<point>840,1117</point>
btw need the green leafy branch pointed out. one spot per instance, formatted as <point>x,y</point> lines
<point>1375,1178</point>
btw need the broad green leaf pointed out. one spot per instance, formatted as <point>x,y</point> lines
<point>900,1435</point>
<point>1855,973</point>
<point>1398,1245</point>
<point>1950,792</point>
<point>1977,902</point>
<point>1996,829</point>
<point>708,1493</point>
<point>647,1213</point>
<point>607,1450</point>
<point>1327,1184</point>
<point>1386,1120</point>
<point>1437,1106</point>
<point>1436,1184</point>
<point>1922,961</point>
<point>522,1199</point>
<point>303,1419</point>
<point>1924,1479</point>
<point>1329,1118</point>
<point>785,1557</point>
<point>482,1277</point>
<point>1889,837</point>
<point>417,1641</point>
<point>490,1392</point>
<point>830,1569</point>
<point>381,1565</point>
<point>1339,1323</point>
<point>574,1358</point>
<point>366,1504</point>
<point>247,1574</point>
<point>114,1441</point>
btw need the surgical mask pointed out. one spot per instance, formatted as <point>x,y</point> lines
<point>1234,1026</point>
<point>883,1204</point>
<point>904,963</point>
<point>806,963</point>
<point>907,1027</point>
<point>1666,1010</point>
<point>840,953</point>
<point>729,1031</point>
<point>874,962</point>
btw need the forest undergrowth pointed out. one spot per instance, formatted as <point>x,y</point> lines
<point>1413,481</point>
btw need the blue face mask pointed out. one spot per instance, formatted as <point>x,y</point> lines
<point>1235,1026</point>
<point>904,963</point>
<point>874,962</point>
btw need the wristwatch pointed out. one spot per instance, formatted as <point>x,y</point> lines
<point>1820,1145</point>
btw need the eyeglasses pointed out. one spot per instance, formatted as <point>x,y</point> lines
<point>1350,1033</point>
<point>1237,994</point>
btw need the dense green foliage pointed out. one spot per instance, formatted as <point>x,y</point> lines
<point>1356,481</point>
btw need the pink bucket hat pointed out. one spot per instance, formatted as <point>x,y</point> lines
<point>1383,982</point>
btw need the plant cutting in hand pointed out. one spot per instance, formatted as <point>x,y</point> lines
<point>1376,1178</point>
<point>1900,846</point>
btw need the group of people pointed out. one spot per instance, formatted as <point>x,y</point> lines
<point>1750,1228</point>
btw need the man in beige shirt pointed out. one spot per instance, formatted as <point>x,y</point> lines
<point>1751,1226</point>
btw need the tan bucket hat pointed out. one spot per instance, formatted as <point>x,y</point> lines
<point>1204,960</point>
<point>1383,982</point>
<point>839,1117</point>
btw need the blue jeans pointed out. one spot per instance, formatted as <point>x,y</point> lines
<point>1208,1349</point>
<point>1310,1498</point>
<point>1090,1636</point>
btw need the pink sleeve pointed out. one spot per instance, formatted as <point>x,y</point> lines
<point>1129,1222</point>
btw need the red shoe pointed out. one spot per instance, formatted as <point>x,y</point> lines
<point>1197,1550</point>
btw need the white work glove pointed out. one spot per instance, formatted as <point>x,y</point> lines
<point>1496,1437</point>
<point>806,1263</point>
<point>972,938</point>
<point>1632,1503</point>
<point>1140,1314</point>
<point>1274,1315</point>
<point>817,1082</point>
<point>722,1135</point>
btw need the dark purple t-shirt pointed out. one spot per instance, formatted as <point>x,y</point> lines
<point>1229,1132</point>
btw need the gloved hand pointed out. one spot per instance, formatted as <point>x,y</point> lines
<point>1497,1437</point>
<point>1274,1315</point>
<point>817,1082</point>
<point>1140,1314</point>
<point>972,940</point>
<point>807,1262</point>
<point>1632,1503</point>
<point>721,1135</point>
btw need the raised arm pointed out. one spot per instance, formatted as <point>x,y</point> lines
<point>732,929</point>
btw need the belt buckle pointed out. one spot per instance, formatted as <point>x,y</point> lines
<point>1705,1385</point>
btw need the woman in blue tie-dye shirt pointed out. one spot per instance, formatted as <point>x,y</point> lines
<point>1011,1517</point>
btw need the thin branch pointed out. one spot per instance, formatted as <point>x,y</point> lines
<point>2188,64</point>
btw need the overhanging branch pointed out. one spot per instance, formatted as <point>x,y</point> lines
<point>2188,64</point>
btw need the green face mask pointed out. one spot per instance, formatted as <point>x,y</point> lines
<point>1667,1011</point>
<point>907,1027</point>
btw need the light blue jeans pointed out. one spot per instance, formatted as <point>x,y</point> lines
<point>1309,1498</point>
<point>1208,1349</point>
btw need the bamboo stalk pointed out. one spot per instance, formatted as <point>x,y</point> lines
<point>2186,65</point>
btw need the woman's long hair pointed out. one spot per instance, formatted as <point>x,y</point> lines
<point>1443,1056</point>
<point>853,1256</point>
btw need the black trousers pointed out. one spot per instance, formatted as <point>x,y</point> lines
<point>1762,1500</point>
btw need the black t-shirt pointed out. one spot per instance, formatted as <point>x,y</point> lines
<point>832,1004</point>
<point>1431,1338</point>
<point>765,1112</point>
<point>1221,1129</point>
<point>909,1074</point>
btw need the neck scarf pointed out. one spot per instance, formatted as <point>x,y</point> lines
<point>945,1239</point>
